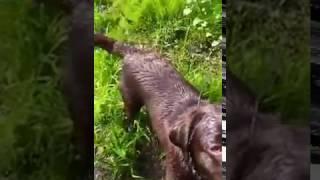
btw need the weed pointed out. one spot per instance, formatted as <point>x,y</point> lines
<point>268,47</point>
<point>34,123</point>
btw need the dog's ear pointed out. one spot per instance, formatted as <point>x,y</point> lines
<point>180,134</point>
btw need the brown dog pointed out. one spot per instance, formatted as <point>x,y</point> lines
<point>188,128</point>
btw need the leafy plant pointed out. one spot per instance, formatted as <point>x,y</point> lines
<point>268,47</point>
<point>34,122</point>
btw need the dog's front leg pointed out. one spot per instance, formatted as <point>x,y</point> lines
<point>132,104</point>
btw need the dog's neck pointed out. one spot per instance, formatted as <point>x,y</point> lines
<point>187,157</point>
<point>186,105</point>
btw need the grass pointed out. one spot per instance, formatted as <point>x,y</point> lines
<point>34,123</point>
<point>268,47</point>
<point>187,31</point>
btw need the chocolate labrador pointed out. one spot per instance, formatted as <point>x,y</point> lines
<point>188,128</point>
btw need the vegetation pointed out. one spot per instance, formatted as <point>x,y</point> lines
<point>268,47</point>
<point>34,122</point>
<point>189,32</point>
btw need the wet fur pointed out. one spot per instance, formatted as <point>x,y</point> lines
<point>175,109</point>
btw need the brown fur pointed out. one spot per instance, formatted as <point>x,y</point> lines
<point>188,128</point>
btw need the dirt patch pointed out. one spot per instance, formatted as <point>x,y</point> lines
<point>100,174</point>
<point>149,163</point>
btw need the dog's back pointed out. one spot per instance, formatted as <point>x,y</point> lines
<point>151,76</point>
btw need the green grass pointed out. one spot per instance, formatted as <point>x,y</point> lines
<point>34,123</point>
<point>268,47</point>
<point>187,31</point>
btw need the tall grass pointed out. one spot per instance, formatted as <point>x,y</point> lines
<point>34,123</point>
<point>268,46</point>
<point>188,31</point>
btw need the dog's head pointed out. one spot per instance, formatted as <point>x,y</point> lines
<point>198,135</point>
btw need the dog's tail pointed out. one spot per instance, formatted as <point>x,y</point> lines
<point>112,46</point>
